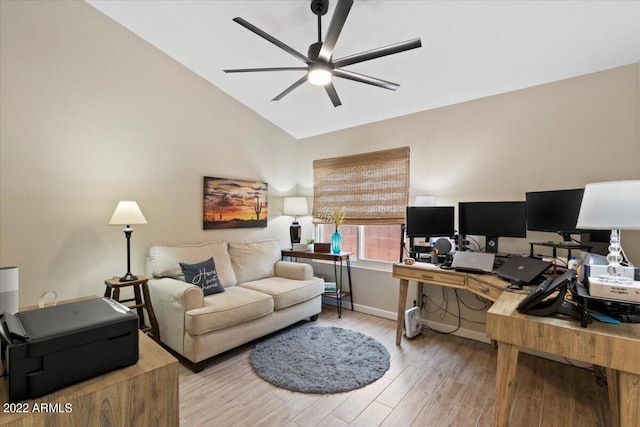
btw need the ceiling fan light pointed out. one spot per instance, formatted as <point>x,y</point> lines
<point>319,76</point>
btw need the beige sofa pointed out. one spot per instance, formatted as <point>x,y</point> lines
<point>262,294</point>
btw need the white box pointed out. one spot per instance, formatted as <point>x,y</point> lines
<point>302,247</point>
<point>629,292</point>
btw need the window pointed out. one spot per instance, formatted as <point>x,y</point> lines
<point>367,242</point>
<point>373,188</point>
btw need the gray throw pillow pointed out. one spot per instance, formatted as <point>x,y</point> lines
<point>204,275</point>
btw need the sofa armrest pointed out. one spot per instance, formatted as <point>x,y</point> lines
<point>293,270</point>
<point>171,299</point>
<point>169,289</point>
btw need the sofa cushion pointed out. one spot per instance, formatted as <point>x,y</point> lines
<point>165,260</point>
<point>203,275</point>
<point>253,261</point>
<point>286,292</point>
<point>234,306</point>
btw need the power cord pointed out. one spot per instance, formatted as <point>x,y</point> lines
<point>443,307</point>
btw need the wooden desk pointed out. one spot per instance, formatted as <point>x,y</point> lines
<point>337,259</point>
<point>488,286</point>
<point>616,347</point>
<point>143,394</point>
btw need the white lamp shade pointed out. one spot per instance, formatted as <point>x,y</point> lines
<point>611,205</point>
<point>295,206</point>
<point>127,213</point>
<point>425,201</point>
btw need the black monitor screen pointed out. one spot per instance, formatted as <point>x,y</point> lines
<point>597,240</point>
<point>430,221</point>
<point>554,211</point>
<point>498,219</point>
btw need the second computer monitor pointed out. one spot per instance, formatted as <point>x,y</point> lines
<point>492,220</point>
<point>554,211</point>
<point>430,221</point>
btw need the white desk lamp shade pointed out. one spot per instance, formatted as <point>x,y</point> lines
<point>127,213</point>
<point>8,289</point>
<point>611,206</point>
<point>295,206</point>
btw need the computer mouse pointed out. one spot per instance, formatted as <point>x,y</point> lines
<point>515,286</point>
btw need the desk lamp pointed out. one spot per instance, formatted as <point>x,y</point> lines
<point>295,207</point>
<point>611,206</point>
<point>127,213</point>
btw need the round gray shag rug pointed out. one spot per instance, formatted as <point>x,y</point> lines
<point>320,360</point>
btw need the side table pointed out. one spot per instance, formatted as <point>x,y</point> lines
<point>337,259</point>
<point>141,298</point>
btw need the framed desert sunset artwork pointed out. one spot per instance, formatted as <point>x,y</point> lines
<point>233,203</point>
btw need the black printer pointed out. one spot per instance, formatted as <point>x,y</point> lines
<point>49,348</point>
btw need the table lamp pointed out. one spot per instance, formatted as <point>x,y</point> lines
<point>295,207</point>
<point>611,206</point>
<point>128,213</point>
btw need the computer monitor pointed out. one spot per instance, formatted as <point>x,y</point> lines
<point>430,221</point>
<point>597,240</point>
<point>493,220</point>
<point>554,211</point>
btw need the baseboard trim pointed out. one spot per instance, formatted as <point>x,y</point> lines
<point>461,332</point>
<point>346,303</point>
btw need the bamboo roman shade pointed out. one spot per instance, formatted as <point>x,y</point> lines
<point>372,187</point>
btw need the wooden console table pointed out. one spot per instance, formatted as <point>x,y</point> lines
<point>143,394</point>
<point>615,347</point>
<point>488,286</point>
<point>338,260</point>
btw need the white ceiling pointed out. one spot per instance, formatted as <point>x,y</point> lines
<point>470,49</point>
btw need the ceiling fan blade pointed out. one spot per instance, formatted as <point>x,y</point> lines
<point>377,53</point>
<point>290,88</point>
<point>272,39</point>
<point>331,91</point>
<point>251,70</point>
<point>357,77</point>
<point>335,27</point>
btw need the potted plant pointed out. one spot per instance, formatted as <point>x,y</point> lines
<point>310,243</point>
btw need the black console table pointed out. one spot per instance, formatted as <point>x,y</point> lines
<point>558,245</point>
<point>337,259</point>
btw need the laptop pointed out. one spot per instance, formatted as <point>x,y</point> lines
<point>473,262</point>
<point>522,269</point>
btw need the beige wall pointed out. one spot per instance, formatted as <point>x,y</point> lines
<point>92,114</point>
<point>555,136</point>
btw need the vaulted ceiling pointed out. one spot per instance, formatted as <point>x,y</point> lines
<point>470,49</point>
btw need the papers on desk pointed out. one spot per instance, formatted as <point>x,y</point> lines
<point>425,265</point>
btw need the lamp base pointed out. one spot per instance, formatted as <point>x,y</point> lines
<point>128,277</point>
<point>295,233</point>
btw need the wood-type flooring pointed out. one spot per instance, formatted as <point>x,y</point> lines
<point>434,380</point>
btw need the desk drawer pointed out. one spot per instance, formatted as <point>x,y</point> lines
<point>489,289</point>
<point>446,278</point>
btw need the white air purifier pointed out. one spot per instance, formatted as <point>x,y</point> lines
<point>412,322</point>
<point>8,289</point>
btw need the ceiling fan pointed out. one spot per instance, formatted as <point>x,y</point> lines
<point>320,66</point>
